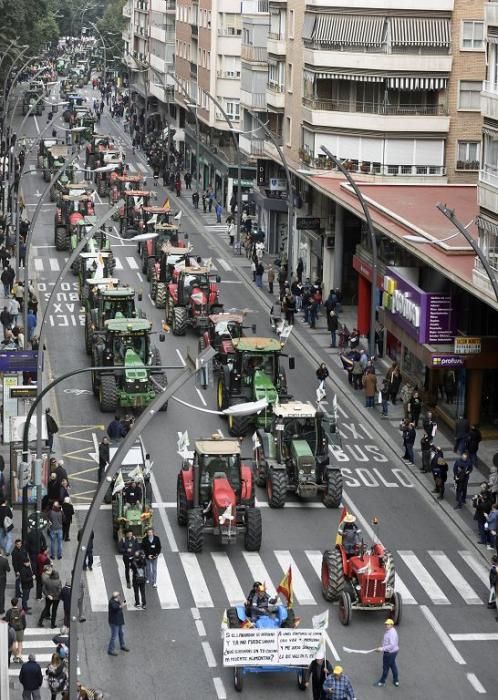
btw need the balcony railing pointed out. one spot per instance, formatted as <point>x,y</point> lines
<point>228,74</point>
<point>273,87</point>
<point>142,6</point>
<point>383,48</point>
<point>489,175</point>
<point>257,54</point>
<point>256,147</point>
<point>229,31</point>
<point>253,99</point>
<point>489,86</point>
<point>276,36</point>
<point>327,105</point>
<point>372,168</point>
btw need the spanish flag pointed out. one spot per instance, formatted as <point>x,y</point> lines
<point>285,588</point>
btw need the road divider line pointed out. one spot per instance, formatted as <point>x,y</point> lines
<point>162,514</point>
<point>165,590</point>
<point>476,684</point>
<point>181,357</point>
<point>38,264</point>
<point>124,586</point>
<point>54,264</point>
<point>220,688</point>
<point>201,630</point>
<point>199,392</point>
<point>196,580</point>
<point>259,572</point>
<point>226,266</point>
<point>208,652</point>
<point>432,589</point>
<point>443,637</point>
<point>97,591</point>
<point>228,577</point>
<point>301,591</point>
<point>455,578</point>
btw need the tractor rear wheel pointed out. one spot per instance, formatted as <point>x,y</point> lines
<point>195,531</point>
<point>179,320</point>
<point>238,683</point>
<point>332,496</point>
<point>261,472</point>
<point>397,612</point>
<point>60,238</point>
<point>239,426</point>
<point>390,570</point>
<point>254,530</point>
<point>160,295</point>
<point>181,503</point>
<point>332,575</point>
<point>108,394</point>
<point>233,618</point>
<point>345,609</point>
<point>162,380</point>
<point>150,268</point>
<point>88,334</point>
<point>276,488</point>
<point>221,392</point>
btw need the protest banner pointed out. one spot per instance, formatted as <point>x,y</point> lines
<point>271,647</point>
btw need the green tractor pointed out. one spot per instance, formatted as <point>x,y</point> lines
<point>253,372</point>
<point>43,148</point>
<point>32,100</point>
<point>106,301</point>
<point>98,243</point>
<point>130,379</point>
<point>56,157</point>
<point>292,455</point>
<point>125,517</point>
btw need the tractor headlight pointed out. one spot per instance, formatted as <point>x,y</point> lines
<point>301,472</point>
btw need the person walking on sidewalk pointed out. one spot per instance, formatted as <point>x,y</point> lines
<point>67,518</point>
<point>409,434</point>
<point>321,374</point>
<point>393,376</point>
<point>6,525</point>
<point>52,588</point>
<point>88,560</point>
<point>439,468</point>
<point>270,276</point>
<point>332,325</point>
<point>406,397</point>
<point>52,429</point>
<point>151,544</point>
<point>138,568</point>
<point>204,202</point>
<point>384,396</point>
<point>389,649</point>
<point>16,618</point>
<point>128,546</point>
<point>461,472</point>
<point>116,623</point>
<point>4,570</point>
<point>31,679</point>
<point>218,210</point>
<point>258,277</point>
<point>195,200</point>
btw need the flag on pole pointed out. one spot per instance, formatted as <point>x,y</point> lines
<point>321,621</point>
<point>227,515</point>
<point>119,484</point>
<point>285,588</point>
<point>136,474</point>
<point>166,204</point>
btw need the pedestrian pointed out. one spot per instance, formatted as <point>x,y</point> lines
<point>462,431</point>
<point>67,518</point>
<point>6,525</point>
<point>31,323</point>
<point>318,671</point>
<point>389,649</point>
<point>270,276</point>
<point>52,429</point>
<point>128,546</point>
<point>409,435</point>
<point>14,308</point>
<point>116,623</point>
<point>115,429</point>
<point>52,588</point>
<point>394,379</point>
<point>211,198</point>
<point>357,371</point>
<point>63,491</point>
<point>321,374</point>
<point>16,618</point>
<point>7,278</point>
<point>6,320</point>
<point>369,383</point>
<point>473,440</point>
<point>332,325</point>
<point>88,560</point>
<point>218,210</point>
<point>42,560</point>
<point>337,685</point>
<point>384,396</point>
<point>379,340</point>
<point>415,408</point>
<point>27,578</point>
<point>439,468</point>
<point>178,187</point>
<point>204,202</point>
<point>4,570</point>
<point>461,472</point>
<point>230,232</point>
<point>138,569</point>
<point>151,544</point>
<point>430,426</point>
<point>482,503</point>
<point>156,175</point>
<point>491,526</point>
<point>56,676</point>
<point>426,450</point>
<point>104,457</point>
<point>259,272</point>
<point>195,200</point>
<point>19,555</point>
<point>31,679</point>
<point>406,396</point>
<point>289,307</point>
<point>54,517</point>
<point>493,582</point>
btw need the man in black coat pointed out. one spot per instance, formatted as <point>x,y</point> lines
<point>318,671</point>
<point>4,570</point>
<point>116,623</point>
<point>31,679</point>
<point>19,556</point>
<point>104,457</point>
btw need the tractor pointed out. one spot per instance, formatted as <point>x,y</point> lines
<point>44,146</point>
<point>56,157</point>
<point>73,209</point>
<point>102,174</point>
<point>360,578</point>
<point>98,243</point>
<point>130,379</point>
<point>171,260</point>
<point>106,301</point>
<point>130,214</point>
<point>215,495</point>
<point>293,455</point>
<point>253,371</point>
<point>75,101</point>
<point>32,100</point>
<point>96,265</point>
<point>125,517</point>
<point>118,183</point>
<point>191,298</point>
<point>96,144</point>
<point>222,329</point>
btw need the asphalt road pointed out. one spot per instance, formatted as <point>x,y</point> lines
<point>176,644</point>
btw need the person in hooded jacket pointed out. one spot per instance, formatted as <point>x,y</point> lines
<point>52,588</point>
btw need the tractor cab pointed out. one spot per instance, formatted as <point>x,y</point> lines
<point>217,461</point>
<point>55,159</point>
<point>194,283</point>
<point>32,102</point>
<point>131,213</point>
<point>128,342</point>
<point>118,302</point>
<point>119,183</point>
<point>224,327</point>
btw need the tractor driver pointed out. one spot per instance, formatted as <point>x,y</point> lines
<point>351,535</point>
<point>132,495</point>
<point>258,598</point>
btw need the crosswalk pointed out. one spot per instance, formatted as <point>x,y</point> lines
<point>39,642</point>
<point>128,262</point>
<point>220,578</point>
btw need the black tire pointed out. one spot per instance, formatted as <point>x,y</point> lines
<point>84,294</point>
<point>332,575</point>
<point>233,618</point>
<point>238,682</point>
<point>170,309</point>
<point>221,394</point>
<point>144,258</point>
<point>88,334</point>
<point>239,426</point>
<point>397,612</point>
<point>75,267</point>
<point>162,380</point>
<point>301,679</point>
<point>345,609</point>
<point>261,472</point>
<point>195,531</point>
<point>276,487</point>
<point>108,393</point>
<point>254,530</point>
<point>179,320</point>
<point>332,496</point>
<point>150,268</point>
<point>160,296</point>
<point>181,503</point>
<point>202,344</point>
<point>60,238</point>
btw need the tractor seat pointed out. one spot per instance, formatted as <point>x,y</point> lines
<point>219,475</point>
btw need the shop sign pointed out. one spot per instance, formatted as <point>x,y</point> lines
<point>467,346</point>
<point>261,178</point>
<point>447,361</point>
<point>278,184</point>
<point>308,223</point>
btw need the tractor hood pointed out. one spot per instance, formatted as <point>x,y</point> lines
<point>134,367</point>
<point>302,455</point>
<point>198,296</point>
<point>223,496</point>
<point>264,388</point>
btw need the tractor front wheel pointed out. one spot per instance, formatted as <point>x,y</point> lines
<point>237,679</point>
<point>276,488</point>
<point>160,295</point>
<point>221,392</point>
<point>345,608</point>
<point>181,503</point>
<point>332,496</point>
<point>179,320</point>
<point>254,530</point>
<point>239,426</point>
<point>60,238</point>
<point>397,611</point>
<point>108,394</point>
<point>195,531</point>
<point>261,472</point>
<point>332,575</point>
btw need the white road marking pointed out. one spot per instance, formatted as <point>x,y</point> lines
<point>220,688</point>
<point>54,264</point>
<point>142,168</point>
<point>201,630</point>
<point>181,357</point>
<point>95,583</point>
<point>315,559</point>
<point>36,643</point>
<point>196,580</point>
<point>443,637</point>
<point>301,591</point>
<point>475,637</point>
<point>122,578</point>
<point>424,578</point>
<point>211,661</point>
<point>259,572</point>
<point>199,392</point>
<point>132,263</point>
<point>455,578</point>
<point>233,282</point>
<point>228,578</point>
<point>195,613</point>
<point>476,684</point>
<point>224,265</point>
<point>402,589</point>
<point>141,279</point>
<point>162,514</point>
<point>480,571</point>
<point>119,264</point>
<point>41,658</point>
<point>36,123</point>
<point>165,590</point>
<point>38,264</point>
<point>131,168</point>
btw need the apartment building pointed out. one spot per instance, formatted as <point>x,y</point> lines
<point>488,176</point>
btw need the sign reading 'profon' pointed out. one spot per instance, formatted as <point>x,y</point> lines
<point>271,647</point>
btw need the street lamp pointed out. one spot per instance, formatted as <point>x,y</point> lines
<point>373,241</point>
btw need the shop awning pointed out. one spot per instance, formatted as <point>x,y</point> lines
<point>487,226</point>
<point>420,31</point>
<point>417,83</point>
<point>308,25</point>
<point>346,30</point>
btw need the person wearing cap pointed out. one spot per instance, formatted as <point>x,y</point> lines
<point>350,534</point>
<point>389,649</point>
<point>337,686</point>
<point>318,671</point>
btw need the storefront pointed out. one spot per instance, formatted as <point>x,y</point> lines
<point>364,270</point>
<point>310,246</point>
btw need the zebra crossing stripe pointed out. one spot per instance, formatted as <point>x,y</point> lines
<point>402,589</point>
<point>196,580</point>
<point>315,559</point>
<point>228,578</point>
<point>259,572</point>
<point>301,591</point>
<point>97,592</point>
<point>122,578</point>
<point>54,264</point>
<point>38,264</point>
<point>165,590</point>
<point>480,571</point>
<point>132,263</point>
<point>119,264</point>
<point>424,578</point>
<point>455,578</point>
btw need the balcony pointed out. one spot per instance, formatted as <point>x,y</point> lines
<point>321,162</point>
<point>127,9</point>
<point>142,6</point>
<point>417,5</point>
<point>221,146</point>
<point>276,44</point>
<point>379,60</point>
<point>374,108</point>
<point>228,74</point>
<point>275,95</point>
<point>253,100</point>
<point>195,29</point>
<point>491,14</point>
<point>252,146</point>
<point>487,192</point>
<point>254,7</point>
<point>254,54</point>
<point>489,99</point>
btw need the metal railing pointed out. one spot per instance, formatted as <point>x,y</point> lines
<point>273,87</point>
<point>258,54</point>
<point>489,86</point>
<point>328,105</point>
<point>489,175</point>
<point>276,36</point>
<point>382,48</point>
<point>253,99</point>
<point>373,168</point>
<point>253,146</point>
<point>254,7</point>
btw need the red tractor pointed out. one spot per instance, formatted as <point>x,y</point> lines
<point>222,329</point>
<point>191,298</point>
<point>215,495</point>
<point>171,259</point>
<point>131,214</point>
<point>119,183</point>
<point>360,578</point>
<point>73,208</point>
<point>108,161</point>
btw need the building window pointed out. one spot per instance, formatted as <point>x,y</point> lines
<point>288,127</point>
<point>292,20</point>
<point>290,77</point>
<point>468,153</point>
<point>470,95</point>
<point>472,37</point>
<point>233,110</point>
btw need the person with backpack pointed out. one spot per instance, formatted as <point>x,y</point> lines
<point>16,618</point>
<point>56,676</point>
<point>138,567</point>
